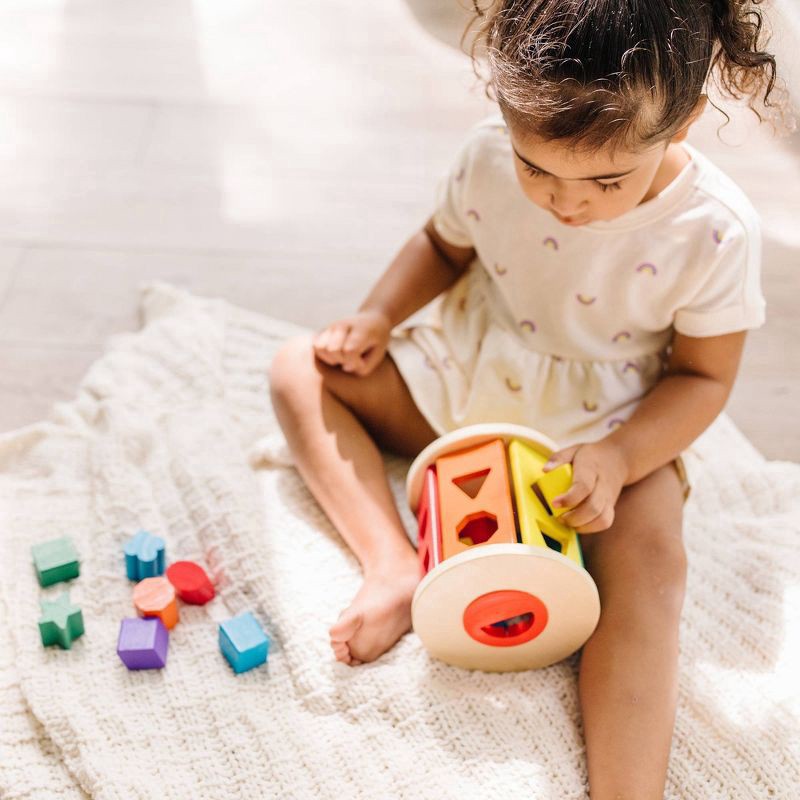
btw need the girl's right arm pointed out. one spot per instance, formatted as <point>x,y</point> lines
<point>423,269</point>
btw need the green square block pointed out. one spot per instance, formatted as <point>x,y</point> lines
<point>56,560</point>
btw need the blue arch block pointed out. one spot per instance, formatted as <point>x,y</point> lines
<point>144,556</point>
<point>243,642</point>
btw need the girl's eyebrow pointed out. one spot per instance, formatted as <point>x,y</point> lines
<point>595,178</point>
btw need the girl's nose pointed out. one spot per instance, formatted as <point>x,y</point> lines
<point>567,201</point>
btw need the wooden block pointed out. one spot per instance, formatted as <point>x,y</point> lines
<point>532,488</point>
<point>429,545</point>
<point>243,642</point>
<point>61,622</point>
<point>144,556</point>
<point>155,597</point>
<point>475,498</point>
<point>143,643</point>
<point>55,560</point>
<point>554,483</point>
<point>190,582</point>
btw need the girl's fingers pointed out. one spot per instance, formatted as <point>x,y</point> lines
<point>581,489</point>
<point>587,513</point>
<point>320,339</point>
<point>594,522</point>
<point>353,346</point>
<point>328,344</point>
<point>370,360</point>
<point>327,357</point>
<point>598,524</point>
<point>560,457</point>
<point>336,338</point>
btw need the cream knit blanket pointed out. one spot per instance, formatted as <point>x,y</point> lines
<point>162,435</point>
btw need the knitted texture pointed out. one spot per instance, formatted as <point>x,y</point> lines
<point>172,431</point>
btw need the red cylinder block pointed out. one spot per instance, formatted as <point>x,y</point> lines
<point>191,582</point>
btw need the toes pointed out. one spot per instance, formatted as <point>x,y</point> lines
<point>343,657</point>
<point>343,654</point>
<point>346,627</point>
<point>341,651</point>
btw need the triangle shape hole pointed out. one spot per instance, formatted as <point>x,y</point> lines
<point>471,484</point>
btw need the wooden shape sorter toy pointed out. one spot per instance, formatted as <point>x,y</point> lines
<point>504,587</point>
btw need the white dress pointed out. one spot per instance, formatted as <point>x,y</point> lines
<point>566,328</point>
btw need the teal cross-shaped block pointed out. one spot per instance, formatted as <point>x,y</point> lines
<point>144,556</point>
<point>56,560</point>
<point>61,621</point>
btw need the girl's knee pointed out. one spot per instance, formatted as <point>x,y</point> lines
<point>647,572</point>
<point>661,581</point>
<point>666,555</point>
<point>291,369</point>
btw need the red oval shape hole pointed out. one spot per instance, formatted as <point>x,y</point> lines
<point>505,618</point>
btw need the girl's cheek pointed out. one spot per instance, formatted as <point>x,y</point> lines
<point>613,207</point>
<point>534,195</point>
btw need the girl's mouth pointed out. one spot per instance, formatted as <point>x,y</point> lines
<point>569,220</point>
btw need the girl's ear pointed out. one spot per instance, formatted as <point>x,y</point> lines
<point>699,107</point>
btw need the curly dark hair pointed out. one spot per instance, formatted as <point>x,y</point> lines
<point>618,72</point>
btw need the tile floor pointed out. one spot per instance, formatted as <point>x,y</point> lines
<point>251,148</point>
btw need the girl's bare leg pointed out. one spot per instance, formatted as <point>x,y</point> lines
<point>330,418</point>
<point>628,674</point>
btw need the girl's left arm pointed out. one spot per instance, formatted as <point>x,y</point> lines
<point>692,391</point>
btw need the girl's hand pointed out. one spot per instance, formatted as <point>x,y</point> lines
<point>356,343</point>
<point>598,475</point>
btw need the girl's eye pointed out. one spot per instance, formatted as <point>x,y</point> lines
<point>604,187</point>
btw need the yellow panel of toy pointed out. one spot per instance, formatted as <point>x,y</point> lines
<point>535,491</point>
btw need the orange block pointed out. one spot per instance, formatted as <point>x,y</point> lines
<point>155,597</point>
<point>475,498</point>
<point>429,542</point>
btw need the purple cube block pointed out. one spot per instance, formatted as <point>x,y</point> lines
<point>143,643</point>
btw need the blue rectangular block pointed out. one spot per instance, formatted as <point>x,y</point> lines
<point>243,642</point>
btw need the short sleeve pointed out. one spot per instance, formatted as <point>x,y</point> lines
<point>730,298</point>
<point>449,218</point>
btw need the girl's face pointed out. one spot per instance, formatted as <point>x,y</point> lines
<point>578,188</point>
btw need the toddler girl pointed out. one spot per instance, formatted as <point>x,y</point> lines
<point>596,277</point>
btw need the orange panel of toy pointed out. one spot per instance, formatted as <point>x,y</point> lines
<point>429,545</point>
<point>475,498</point>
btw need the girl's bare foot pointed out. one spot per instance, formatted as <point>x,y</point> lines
<point>379,614</point>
